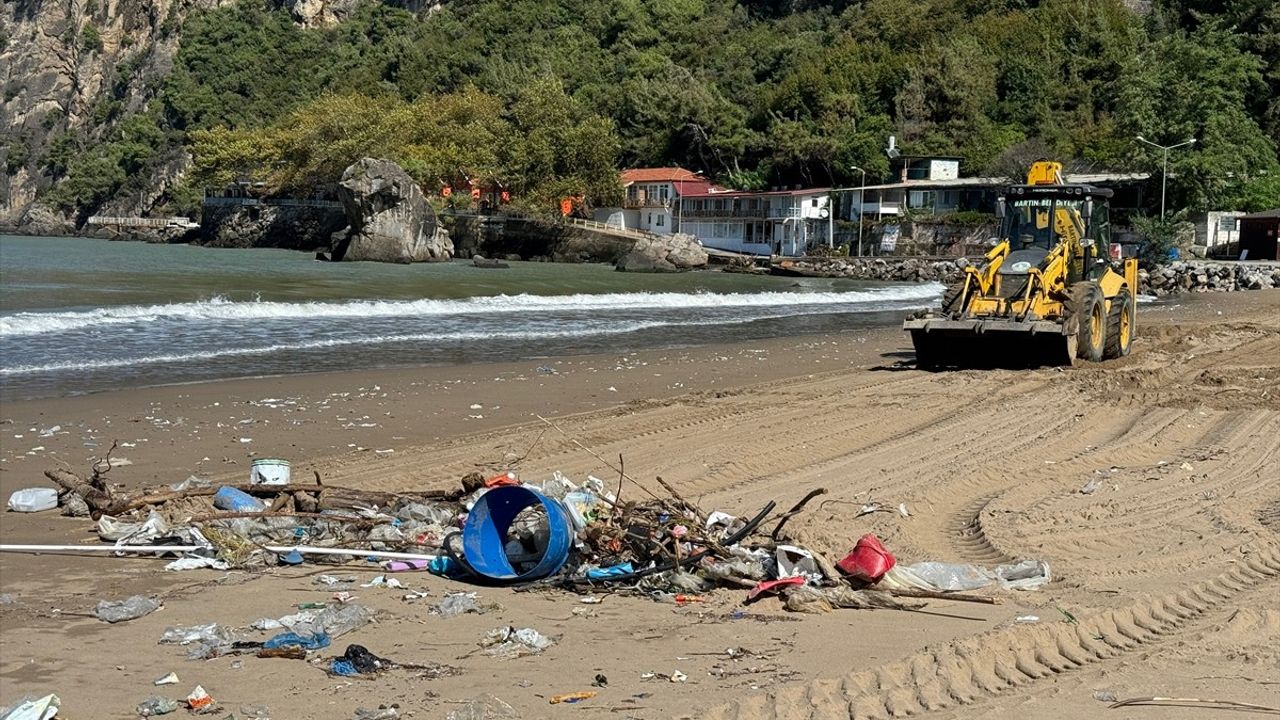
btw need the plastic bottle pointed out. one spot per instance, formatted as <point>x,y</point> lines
<point>33,500</point>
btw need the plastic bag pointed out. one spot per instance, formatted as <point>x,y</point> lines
<point>511,643</point>
<point>127,533</point>
<point>954,577</point>
<point>458,604</point>
<point>869,560</point>
<point>33,709</point>
<point>484,707</point>
<point>185,635</point>
<point>337,620</point>
<point>128,609</point>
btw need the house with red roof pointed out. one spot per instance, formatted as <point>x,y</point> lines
<point>651,202</point>
<point>671,199</point>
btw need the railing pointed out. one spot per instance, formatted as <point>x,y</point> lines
<point>640,202</point>
<point>605,227</point>
<point>275,202</point>
<point>175,221</point>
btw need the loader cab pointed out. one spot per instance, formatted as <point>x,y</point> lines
<point>1035,219</point>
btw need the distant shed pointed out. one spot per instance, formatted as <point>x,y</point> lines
<point>1260,235</point>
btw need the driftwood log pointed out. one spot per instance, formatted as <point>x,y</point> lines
<point>305,498</point>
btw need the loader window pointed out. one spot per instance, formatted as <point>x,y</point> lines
<point>1040,222</point>
<point>1027,223</point>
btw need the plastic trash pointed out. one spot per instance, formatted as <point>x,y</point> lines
<point>509,642</point>
<point>128,609</point>
<point>458,604</point>
<point>288,621</point>
<point>233,500</point>
<point>573,697</point>
<point>953,577</point>
<point>608,572</point>
<point>195,562</point>
<point>258,712</point>
<point>269,471</point>
<point>797,562</point>
<point>1025,575</point>
<point>317,641</point>
<point>357,660</point>
<point>337,620</point>
<point>199,700</point>
<point>486,541</point>
<point>382,713</point>
<point>33,500</point>
<point>33,709</point>
<point>484,707</point>
<point>170,679</point>
<point>869,560</point>
<point>129,533</point>
<point>185,635</point>
<point>156,705</point>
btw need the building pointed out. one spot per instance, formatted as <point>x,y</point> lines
<point>1217,229</point>
<point>651,200</point>
<point>932,185</point>
<point>1260,236</point>
<point>780,222</point>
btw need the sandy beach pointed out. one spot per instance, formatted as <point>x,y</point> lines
<point>1166,575</point>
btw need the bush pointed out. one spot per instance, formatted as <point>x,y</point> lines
<point>1159,236</point>
<point>90,38</point>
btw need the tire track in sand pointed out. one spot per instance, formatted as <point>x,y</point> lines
<point>1019,657</point>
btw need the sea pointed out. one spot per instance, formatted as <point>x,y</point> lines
<point>80,315</point>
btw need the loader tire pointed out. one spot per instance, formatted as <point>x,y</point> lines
<point>1087,307</point>
<point>1120,326</point>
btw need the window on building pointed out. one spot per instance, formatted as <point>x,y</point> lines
<point>664,192</point>
<point>920,199</point>
<point>662,220</point>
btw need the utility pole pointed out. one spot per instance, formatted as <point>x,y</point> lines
<point>1164,171</point>
<point>862,189</point>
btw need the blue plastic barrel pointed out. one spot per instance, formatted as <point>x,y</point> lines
<point>484,534</point>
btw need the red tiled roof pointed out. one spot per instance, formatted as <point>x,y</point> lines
<point>665,174</point>
<point>749,193</point>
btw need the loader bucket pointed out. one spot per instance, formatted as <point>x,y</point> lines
<point>986,344</point>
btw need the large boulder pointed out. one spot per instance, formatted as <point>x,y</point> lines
<point>664,253</point>
<point>388,217</point>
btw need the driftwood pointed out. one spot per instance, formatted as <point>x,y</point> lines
<point>306,498</point>
<point>99,500</point>
<point>958,597</point>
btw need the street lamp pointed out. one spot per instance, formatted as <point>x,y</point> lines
<point>862,189</point>
<point>1164,172</point>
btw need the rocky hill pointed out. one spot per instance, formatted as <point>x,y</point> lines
<point>130,107</point>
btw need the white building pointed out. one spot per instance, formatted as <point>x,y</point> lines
<point>781,222</point>
<point>652,197</point>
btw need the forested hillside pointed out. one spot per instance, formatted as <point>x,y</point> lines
<point>548,97</point>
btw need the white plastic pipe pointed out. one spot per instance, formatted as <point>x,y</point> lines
<point>145,549</point>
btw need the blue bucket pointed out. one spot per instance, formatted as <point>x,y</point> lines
<point>484,534</point>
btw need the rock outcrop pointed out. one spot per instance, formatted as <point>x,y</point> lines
<point>664,253</point>
<point>389,219</point>
<point>288,227</point>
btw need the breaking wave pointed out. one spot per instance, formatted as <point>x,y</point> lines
<point>222,309</point>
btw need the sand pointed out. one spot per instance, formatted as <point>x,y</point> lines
<point>1165,575</point>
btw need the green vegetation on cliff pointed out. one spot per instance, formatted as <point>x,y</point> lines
<point>547,97</point>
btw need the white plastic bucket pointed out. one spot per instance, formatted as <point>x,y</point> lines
<point>269,471</point>
<point>33,500</point>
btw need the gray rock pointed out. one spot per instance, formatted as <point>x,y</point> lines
<point>389,218</point>
<point>664,253</point>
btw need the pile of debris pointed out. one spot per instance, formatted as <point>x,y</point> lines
<point>502,530</point>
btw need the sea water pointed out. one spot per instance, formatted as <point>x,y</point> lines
<point>81,315</point>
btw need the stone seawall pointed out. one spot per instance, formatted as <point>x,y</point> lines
<point>1178,277</point>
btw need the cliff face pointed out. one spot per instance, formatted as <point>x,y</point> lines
<point>58,61</point>
<point>77,67</point>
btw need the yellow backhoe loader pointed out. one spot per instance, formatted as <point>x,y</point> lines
<point>1046,294</point>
